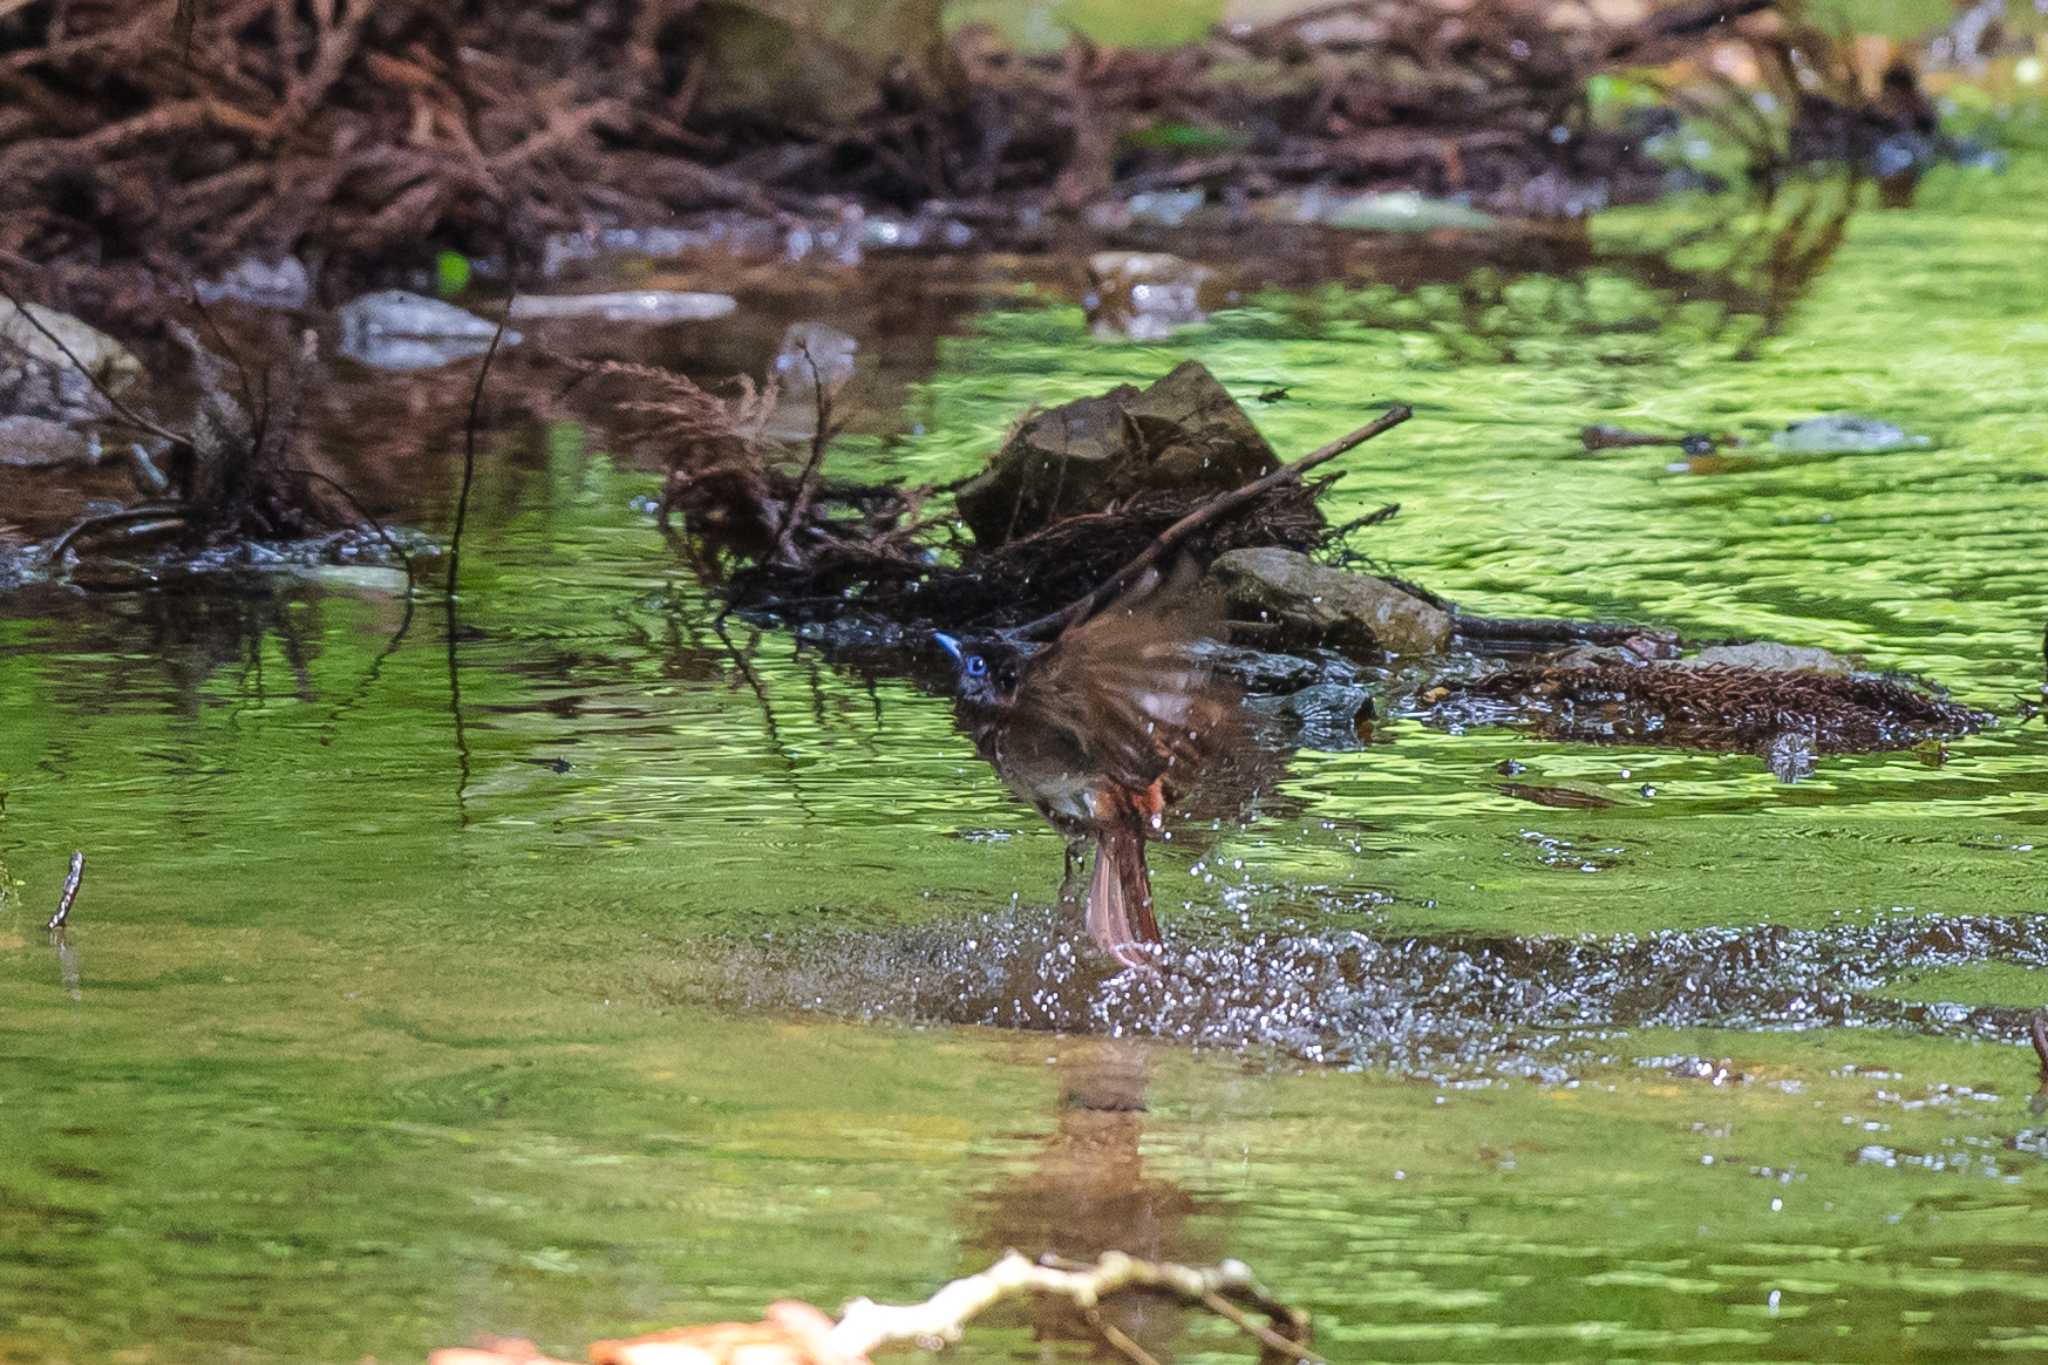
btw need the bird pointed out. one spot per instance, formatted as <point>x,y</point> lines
<point>1102,731</point>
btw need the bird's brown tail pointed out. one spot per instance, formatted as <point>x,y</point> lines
<point>1120,896</point>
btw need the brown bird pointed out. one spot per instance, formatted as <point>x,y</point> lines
<point>1103,730</point>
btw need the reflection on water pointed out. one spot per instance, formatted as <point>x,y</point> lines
<point>630,986</point>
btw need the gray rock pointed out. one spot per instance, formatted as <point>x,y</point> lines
<point>1144,295</point>
<point>37,378</point>
<point>1766,654</point>
<point>282,283</point>
<point>38,443</point>
<point>394,329</point>
<point>652,306</point>
<point>1393,211</point>
<point>1844,433</point>
<point>1185,433</point>
<point>1316,602</point>
<point>1594,656</point>
<point>1157,208</point>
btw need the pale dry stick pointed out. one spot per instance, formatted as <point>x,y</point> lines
<point>866,1326</point>
<point>1206,513</point>
<point>1230,1312</point>
<point>71,883</point>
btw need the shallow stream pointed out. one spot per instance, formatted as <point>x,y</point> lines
<point>592,968</point>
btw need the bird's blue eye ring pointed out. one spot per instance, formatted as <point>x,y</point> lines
<point>976,665</point>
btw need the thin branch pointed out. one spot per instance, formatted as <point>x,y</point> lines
<point>476,399</point>
<point>71,883</point>
<point>383,534</point>
<point>1218,506</point>
<point>1258,1331</point>
<point>126,413</point>
<point>807,485</point>
<point>1119,1340</point>
<point>220,337</point>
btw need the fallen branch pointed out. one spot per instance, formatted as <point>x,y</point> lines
<point>793,1333</point>
<point>71,884</point>
<point>1219,506</point>
<point>867,1326</point>
<point>87,526</point>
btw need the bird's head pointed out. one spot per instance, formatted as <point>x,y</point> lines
<point>986,671</point>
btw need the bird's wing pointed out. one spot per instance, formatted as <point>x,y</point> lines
<point>1129,685</point>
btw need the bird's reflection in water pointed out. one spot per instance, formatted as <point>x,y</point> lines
<point>1087,1191</point>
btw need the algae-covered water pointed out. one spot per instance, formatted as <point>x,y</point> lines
<point>607,968</point>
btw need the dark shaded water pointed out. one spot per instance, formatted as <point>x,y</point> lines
<point>632,972</point>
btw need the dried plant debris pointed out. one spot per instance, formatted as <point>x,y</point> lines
<point>339,132</point>
<point>1775,712</point>
<point>1075,494</point>
<point>228,482</point>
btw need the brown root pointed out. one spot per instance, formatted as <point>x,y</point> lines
<point>377,131</point>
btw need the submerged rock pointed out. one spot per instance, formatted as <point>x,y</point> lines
<point>1845,434</point>
<point>1325,715</point>
<point>638,305</point>
<point>394,329</point>
<point>1185,434</point>
<point>1273,674</point>
<point>1313,601</point>
<point>37,378</point>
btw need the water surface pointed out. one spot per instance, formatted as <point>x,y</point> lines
<point>618,967</point>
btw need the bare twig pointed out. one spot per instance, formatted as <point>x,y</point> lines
<point>866,1326</point>
<point>71,882</point>
<point>1264,1335</point>
<point>1373,518</point>
<point>476,399</point>
<point>807,485</point>
<point>1218,506</point>
<point>1119,1340</point>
